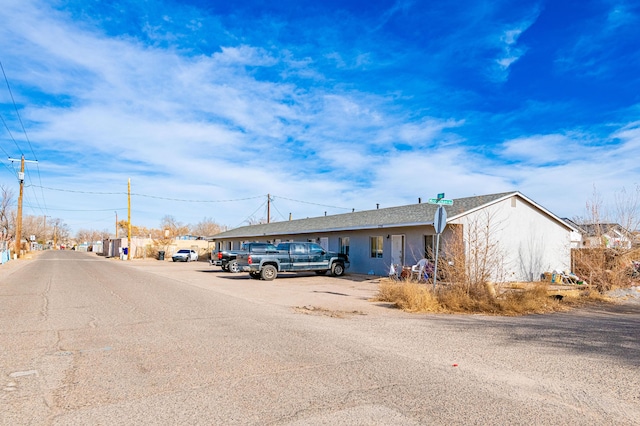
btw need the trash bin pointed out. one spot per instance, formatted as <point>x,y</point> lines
<point>160,255</point>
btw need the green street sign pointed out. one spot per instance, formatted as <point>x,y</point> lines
<point>441,201</point>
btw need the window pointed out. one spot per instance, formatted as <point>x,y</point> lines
<point>376,247</point>
<point>344,245</point>
<point>315,249</point>
<point>229,245</point>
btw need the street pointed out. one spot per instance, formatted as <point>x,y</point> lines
<point>87,340</point>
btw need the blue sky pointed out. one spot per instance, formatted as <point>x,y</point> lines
<point>328,106</point>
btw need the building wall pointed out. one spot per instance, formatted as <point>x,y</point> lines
<point>529,241</point>
<point>359,246</point>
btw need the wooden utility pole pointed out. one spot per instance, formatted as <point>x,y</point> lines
<point>268,208</point>
<point>45,230</point>
<point>129,221</point>
<point>116,224</point>
<point>19,215</point>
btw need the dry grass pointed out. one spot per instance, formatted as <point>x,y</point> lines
<point>408,296</point>
<point>521,299</point>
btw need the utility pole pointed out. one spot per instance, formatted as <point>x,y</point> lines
<point>116,224</point>
<point>45,230</point>
<point>129,220</point>
<point>268,208</point>
<point>19,215</point>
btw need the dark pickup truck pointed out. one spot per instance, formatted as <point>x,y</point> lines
<point>226,259</point>
<point>292,257</point>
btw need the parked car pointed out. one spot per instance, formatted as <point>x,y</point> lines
<point>185,255</point>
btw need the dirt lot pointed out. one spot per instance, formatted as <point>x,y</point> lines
<point>346,295</point>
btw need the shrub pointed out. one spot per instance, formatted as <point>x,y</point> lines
<point>524,299</point>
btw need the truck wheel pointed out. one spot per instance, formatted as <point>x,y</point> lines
<point>269,273</point>
<point>337,269</point>
<point>233,267</point>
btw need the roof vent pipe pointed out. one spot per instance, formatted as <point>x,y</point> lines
<point>325,212</point>
<point>377,206</point>
<point>419,200</point>
<point>290,217</point>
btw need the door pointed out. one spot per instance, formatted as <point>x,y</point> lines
<point>318,258</point>
<point>299,255</point>
<point>397,250</point>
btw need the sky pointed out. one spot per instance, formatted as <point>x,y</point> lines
<point>209,106</point>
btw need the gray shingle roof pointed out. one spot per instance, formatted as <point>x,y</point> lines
<point>413,214</point>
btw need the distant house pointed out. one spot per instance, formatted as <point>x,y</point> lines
<point>530,239</point>
<point>607,235</point>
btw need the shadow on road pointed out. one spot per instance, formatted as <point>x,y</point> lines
<point>611,330</point>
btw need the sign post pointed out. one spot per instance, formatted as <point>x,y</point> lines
<point>439,223</point>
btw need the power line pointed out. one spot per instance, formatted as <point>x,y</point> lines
<point>15,107</point>
<point>281,215</point>
<point>6,126</point>
<point>314,204</point>
<point>251,215</point>
<point>81,210</point>
<point>148,196</point>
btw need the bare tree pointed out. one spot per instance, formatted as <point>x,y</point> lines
<point>6,215</point>
<point>206,227</point>
<point>473,257</point>
<point>61,232</point>
<point>172,228</point>
<point>89,236</point>
<point>136,231</point>
<point>33,226</point>
<point>602,262</point>
<point>627,209</point>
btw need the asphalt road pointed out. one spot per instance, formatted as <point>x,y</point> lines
<point>92,341</point>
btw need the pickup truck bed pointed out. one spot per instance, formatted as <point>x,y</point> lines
<point>226,259</point>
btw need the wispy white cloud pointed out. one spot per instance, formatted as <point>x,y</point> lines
<point>510,50</point>
<point>542,149</point>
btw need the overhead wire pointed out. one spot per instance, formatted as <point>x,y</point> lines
<point>82,210</point>
<point>35,157</point>
<point>314,204</point>
<point>12,138</point>
<point>247,219</point>
<point>251,215</point>
<point>151,196</point>
<point>276,208</point>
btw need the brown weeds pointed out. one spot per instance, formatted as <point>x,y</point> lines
<point>525,299</point>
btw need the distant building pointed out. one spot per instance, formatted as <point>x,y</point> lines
<point>607,235</point>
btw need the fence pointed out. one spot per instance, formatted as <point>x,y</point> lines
<point>5,256</point>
